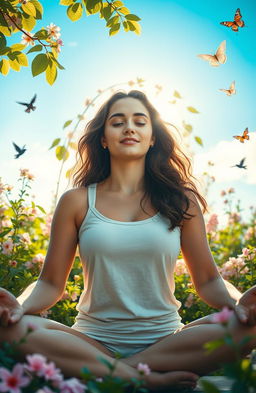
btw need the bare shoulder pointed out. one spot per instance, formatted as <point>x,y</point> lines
<point>75,201</point>
<point>194,209</point>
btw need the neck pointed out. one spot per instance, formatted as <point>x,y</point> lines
<point>126,178</point>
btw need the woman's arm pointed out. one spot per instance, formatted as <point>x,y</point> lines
<point>208,283</point>
<point>49,287</point>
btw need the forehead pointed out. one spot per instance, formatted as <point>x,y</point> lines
<point>128,106</point>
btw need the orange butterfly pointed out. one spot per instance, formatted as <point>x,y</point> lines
<point>238,22</point>
<point>231,89</point>
<point>243,137</point>
<point>218,58</point>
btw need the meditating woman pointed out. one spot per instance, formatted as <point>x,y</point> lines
<point>133,207</point>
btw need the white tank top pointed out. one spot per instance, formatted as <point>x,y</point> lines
<point>128,294</point>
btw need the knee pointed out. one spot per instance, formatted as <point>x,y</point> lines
<point>14,332</point>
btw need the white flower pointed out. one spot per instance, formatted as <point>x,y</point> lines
<point>27,39</point>
<point>54,31</point>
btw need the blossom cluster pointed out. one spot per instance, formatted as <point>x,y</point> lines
<point>49,377</point>
<point>234,266</point>
<point>53,37</point>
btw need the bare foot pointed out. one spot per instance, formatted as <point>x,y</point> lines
<point>172,379</point>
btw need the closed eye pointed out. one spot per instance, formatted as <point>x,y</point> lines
<point>137,123</point>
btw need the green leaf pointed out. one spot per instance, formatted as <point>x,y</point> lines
<point>51,73</point>
<point>2,41</point>
<point>3,233</point>
<point>114,29</point>
<point>28,22</point>
<point>118,3</point>
<point>134,26</point>
<point>199,140</point>
<point>66,2</point>
<point>124,10</point>
<point>75,11</point>
<point>192,109</point>
<point>132,17</point>
<point>5,51</point>
<point>55,143</point>
<point>187,127</point>
<point>38,7</point>
<point>66,124</point>
<point>29,8</point>
<point>126,27</point>
<point>22,59</point>
<point>112,21</point>
<point>53,58</point>
<point>42,34</point>
<point>18,47</point>
<point>36,48</point>
<point>93,6</point>
<point>177,94</point>
<point>39,64</point>
<point>62,153</point>
<point>106,12</point>
<point>209,387</point>
<point>4,66</point>
<point>41,208</point>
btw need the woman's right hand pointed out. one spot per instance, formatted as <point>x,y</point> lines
<point>10,309</point>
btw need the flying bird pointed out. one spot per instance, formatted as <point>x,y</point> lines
<point>231,89</point>
<point>219,57</point>
<point>29,105</point>
<point>237,22</point>
<point>242,137</point>
<point>19,150</point>
<point>241,164</point>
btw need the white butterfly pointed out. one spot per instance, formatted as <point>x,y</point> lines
<point>231,89</point>
<point>219,57</point>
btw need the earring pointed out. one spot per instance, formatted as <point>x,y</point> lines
<point>104,147</point>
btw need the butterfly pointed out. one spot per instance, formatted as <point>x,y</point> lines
<point>19,150</point>
<point>219,57</point>
<point>238,22</point>
<point>29,105</point>
<point>241,164</point>
<point>243,137</point>
<point>231,89</point>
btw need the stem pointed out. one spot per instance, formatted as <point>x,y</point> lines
<point>23,31</point>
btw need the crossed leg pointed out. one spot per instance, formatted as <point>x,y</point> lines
<point>184,350</point>
<point>71,350</point>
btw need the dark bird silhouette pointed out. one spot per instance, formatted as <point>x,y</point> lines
<point>19,150</point>
<point>241,164</point>
<point>30,105</point>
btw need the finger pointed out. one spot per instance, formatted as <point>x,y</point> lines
<point>241,313</point>
<point>16,316</point>
<point>5,317</point>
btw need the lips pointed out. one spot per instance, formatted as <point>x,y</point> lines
<point>129,139</point>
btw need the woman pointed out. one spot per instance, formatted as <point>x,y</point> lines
<point>133,207</point>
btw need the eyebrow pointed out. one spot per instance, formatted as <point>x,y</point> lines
<point>123,115</point>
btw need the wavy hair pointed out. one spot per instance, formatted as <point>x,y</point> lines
<point>168,175</point>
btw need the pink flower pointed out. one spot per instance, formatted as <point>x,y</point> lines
<point>38,258</point>
<point>223,192</point>
<point>28,264</point>
<point>13,263</point>
<point>25,238</point>
<point>72,385</point>
<point>190,300</point>
<point>53,30</point>
<point>143,369</point>
<point>180,267</point>
<point>59,44</point>
<point>212,223</point>
<point>36,363</point>
<point>7,247</point>
<point>223,316</point>
<point>50,372</point>
<point>45,389</point>
<point>74,296</point>
<point>13,380</point>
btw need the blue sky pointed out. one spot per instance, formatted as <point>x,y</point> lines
<point>173,33</point>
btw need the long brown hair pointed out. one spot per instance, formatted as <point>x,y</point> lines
<point>167,169</point>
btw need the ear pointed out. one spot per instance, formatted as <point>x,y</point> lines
<point>102,140</point>
<point>153,139</point>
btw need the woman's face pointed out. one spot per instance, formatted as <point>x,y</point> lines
<point>128,118</point>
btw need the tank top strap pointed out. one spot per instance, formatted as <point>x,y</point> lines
<point>92,195</point>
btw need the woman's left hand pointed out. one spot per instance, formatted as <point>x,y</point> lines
<point>245,308</point>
